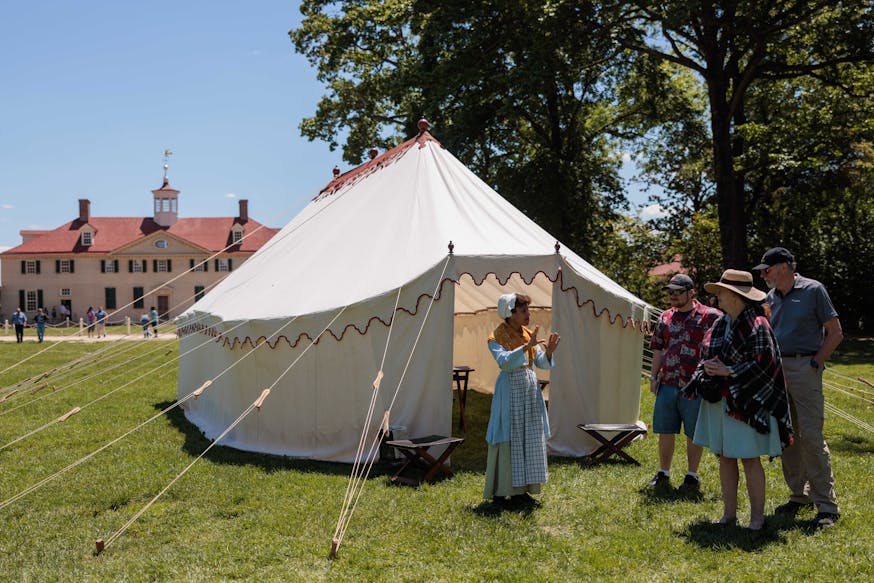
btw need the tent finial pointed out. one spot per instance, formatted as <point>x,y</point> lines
<point>451,247</point>
<point>423,125</point>
<point>336,171</point>
<point>557,246</point>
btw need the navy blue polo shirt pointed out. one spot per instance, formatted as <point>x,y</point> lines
<point>797,317</point>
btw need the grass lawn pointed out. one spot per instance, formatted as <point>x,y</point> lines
<point>238,515</point>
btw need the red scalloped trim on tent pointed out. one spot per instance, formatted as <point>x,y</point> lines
<point>232,343</point>
<point>641,325</point>
<point>364,170</point>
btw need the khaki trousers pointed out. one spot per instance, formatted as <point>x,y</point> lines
<point>806,463</point>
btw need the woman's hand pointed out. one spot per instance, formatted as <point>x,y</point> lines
<point>533,341</point>
<point>551,344</point>
<point>716,368</point>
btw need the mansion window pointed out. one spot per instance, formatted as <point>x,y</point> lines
<point>198,292</point>
<point>109,266</point>
<point>31,303</point>
<point>138,298</point>
<point>237,236</point>
<point>64,266</point>
<point>65,292</point>
<point>161,265</point>
<point>87,238</point>
<point>222,264</point>
<point>31,267</point>
<point>161,243</point>
<point>136,266</point>
<point>197,265</point>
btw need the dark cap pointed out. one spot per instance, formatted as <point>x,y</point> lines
<point>773,257</point>
<point>680,281</point>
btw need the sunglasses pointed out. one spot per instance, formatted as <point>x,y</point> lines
<point>676,292</point>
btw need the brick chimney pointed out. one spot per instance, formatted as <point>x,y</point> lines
<point>84,210</point>
<point>244,211</point>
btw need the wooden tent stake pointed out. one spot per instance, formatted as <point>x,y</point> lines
<point>69,414</point>
<point>199,391</point>
<point>39,388</point>
<point>260,400</point>
<point>99,545</point>
<point>335,545</point>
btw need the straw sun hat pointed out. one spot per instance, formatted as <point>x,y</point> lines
<point>740,282</point>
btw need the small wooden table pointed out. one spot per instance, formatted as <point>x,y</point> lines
<point>625,434</point>
<point>416,452</point>
<point>461,374</point>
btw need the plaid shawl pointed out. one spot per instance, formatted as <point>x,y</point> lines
<point>756,389</point>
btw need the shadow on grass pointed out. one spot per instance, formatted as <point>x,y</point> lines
<point>853,351</point>
<point>709,535</point>
<point>670,495</point>
<point>196,442</point>
<point>492,509</point>
<point>851,444</point>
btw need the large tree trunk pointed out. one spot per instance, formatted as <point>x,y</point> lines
<point>729,190</point>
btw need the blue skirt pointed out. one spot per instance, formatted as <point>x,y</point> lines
<point>731,438</point>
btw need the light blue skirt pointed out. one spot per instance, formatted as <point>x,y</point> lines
<point>731,438</point>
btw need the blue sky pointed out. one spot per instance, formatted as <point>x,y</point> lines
<point>93,91</point>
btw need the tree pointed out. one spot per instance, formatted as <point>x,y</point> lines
<point>535,96</point>
<point>734,46</point>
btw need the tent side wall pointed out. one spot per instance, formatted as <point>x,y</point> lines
<point>596,378</point>
<point>317,410</point>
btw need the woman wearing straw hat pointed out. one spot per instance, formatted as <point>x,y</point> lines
<point>745,412</point>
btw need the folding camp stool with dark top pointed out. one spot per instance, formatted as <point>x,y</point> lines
<point>624,435</point>
<point>416,452</point>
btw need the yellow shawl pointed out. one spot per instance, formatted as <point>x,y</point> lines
<point>510,339</point>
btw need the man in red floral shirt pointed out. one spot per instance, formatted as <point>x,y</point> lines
<point>676,345</point>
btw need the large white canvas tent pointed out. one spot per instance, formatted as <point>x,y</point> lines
<point>373,249</point>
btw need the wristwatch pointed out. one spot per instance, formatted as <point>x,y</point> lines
<point>814,364</point>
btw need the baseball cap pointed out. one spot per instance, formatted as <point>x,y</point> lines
<point>773,257</point>
<point>680,281</point>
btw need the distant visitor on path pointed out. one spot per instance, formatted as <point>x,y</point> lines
<point>40,319</point>
<point>19,319</point>
<point>144,322</point>
<point>745,413</point>
<point>518,425</point>
<point>90,320</point>
<point>101,314</point>
<point>153,313</point>
<point>676,346</point>
<point>808,330</point>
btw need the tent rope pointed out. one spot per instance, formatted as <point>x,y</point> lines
<point>102,371</point>
<point>339,536</point>
<point>149,372</point>
<point>854,420</point>
<point>256,404</point>
<point>355,477</point>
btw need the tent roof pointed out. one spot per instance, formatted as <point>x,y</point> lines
<point>382,225</point>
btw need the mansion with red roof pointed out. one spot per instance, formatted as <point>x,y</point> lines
<point>127,264</point>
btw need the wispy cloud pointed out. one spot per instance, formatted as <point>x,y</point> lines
<point>652,211</point>
<point>8,206</point>
<point>230,195</point>
<point>255,53</point>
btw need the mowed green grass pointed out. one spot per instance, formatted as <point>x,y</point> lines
<point>237,515</point>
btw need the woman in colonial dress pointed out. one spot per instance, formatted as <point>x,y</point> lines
<point>518,425</point>
<point>744,411</point>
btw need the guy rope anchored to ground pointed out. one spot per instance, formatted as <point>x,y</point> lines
<point>364,463</point>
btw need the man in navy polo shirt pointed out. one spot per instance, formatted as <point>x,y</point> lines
<point>676,347</point>
<point>808,330</point>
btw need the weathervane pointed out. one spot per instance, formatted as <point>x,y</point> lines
<point>167,154</point>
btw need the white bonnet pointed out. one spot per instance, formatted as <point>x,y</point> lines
<point>506,303</point>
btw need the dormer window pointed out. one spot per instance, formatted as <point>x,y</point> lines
<point>87,238</point>
<point>236,236</point>
<point>161,243</point>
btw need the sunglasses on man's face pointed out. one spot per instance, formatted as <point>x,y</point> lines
<point>676,292</point>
